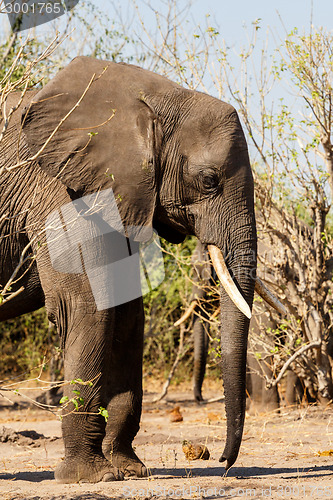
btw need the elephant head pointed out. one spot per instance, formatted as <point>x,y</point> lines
<point>177,161</point>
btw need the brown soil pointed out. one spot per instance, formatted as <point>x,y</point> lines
<point>278,459</point>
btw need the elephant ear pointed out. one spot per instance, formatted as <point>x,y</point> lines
<point>90,129</point>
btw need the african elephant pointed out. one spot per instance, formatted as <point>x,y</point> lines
<point>168,159</point>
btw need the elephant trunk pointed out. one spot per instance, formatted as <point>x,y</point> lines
<point>233,347</point>
<point>234,332</point>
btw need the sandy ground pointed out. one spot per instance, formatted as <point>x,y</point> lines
<point>278,458</point>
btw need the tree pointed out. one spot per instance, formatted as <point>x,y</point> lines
<point>293,199</point>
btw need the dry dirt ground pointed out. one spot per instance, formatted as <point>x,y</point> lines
<point>278,459</point>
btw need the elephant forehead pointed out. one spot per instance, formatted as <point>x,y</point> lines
<point>210,113</point>
<point>215,130</point>
<point>216,148</point>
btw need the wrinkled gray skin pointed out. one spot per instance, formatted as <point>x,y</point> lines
<point>179,162</point>
<point>204,277</point>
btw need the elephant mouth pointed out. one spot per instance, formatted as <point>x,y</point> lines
<point>231,289</point>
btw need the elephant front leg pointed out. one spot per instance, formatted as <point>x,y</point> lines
<point>84,460</point>
<point>86,357</point>
<point>120,432</point>
<point>125,390</point>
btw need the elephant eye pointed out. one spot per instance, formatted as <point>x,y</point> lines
<point>210,181</point>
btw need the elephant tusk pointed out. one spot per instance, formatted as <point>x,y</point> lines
<point>268,296</point>
<point>226,280</point>
<point>187,313</point>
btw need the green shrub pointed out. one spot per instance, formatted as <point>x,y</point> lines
<point>24,342</point>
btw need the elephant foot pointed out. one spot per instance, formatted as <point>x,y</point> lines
<point>198,396</point>
<point>73,470</point>
<point>128,462</point>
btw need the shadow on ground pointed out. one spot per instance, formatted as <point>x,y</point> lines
<point>32,476</point>
<point>246,472</point>
<point>239,472</point>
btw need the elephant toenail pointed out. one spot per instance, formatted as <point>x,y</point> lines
<point>109,476</point>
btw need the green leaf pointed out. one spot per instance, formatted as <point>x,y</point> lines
<point>102,411</point>
<point>75,403</point>
<point>77,381</point>
<point>63,400</point>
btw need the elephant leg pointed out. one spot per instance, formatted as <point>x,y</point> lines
<point>87,339</point>
<point>294,390</point>
<point>200,356</point>
<point>254,384</point>
<point>262,398</point>
<point>270,397</point>
<point>125,389</point>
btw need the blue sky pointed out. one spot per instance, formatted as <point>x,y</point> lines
<point>232,16</point>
